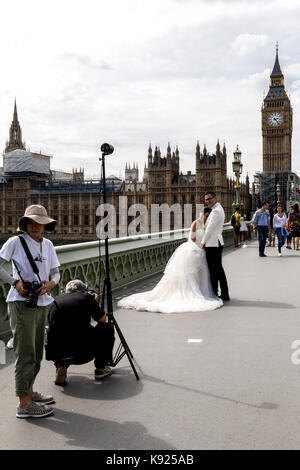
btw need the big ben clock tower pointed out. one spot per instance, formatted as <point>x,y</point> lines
<point>277,124</point>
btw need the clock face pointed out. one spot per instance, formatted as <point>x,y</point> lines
<point>275,119</point>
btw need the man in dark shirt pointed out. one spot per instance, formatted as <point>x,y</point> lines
<point>71,339</point>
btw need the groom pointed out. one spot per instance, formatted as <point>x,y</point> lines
<point>213,243</point>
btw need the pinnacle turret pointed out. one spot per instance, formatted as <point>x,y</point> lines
<point>15,134</point>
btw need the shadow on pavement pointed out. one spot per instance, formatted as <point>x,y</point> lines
<point>262,406</point>
<point>118,386</point>
<point>93,433</point>
<point>259,304</point>
<point>289,256</point>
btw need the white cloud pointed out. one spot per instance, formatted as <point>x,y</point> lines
<point>293,71</point>
<point>131,71</point>
<point>245,44</point>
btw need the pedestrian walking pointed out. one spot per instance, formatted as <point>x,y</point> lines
<point>279,225</point>
<point>243,229</point>
<point>271,234</point>
<point>289,231</point>
<point>262,223</point>
<point>236,223</point>
<point>294,225</point>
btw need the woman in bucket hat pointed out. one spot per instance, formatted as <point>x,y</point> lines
<point>28,324</point>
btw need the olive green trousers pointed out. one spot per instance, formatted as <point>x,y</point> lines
<point>28,328</point>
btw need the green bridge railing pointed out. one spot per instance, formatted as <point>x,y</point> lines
<point>130,259</point>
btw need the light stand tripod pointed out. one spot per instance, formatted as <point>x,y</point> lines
<point>123,348</point>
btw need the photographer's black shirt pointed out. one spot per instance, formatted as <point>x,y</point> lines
<point>69,320</point>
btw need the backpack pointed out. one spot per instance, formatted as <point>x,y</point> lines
<point>232,220</point>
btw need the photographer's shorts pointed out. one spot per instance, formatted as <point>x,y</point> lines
<point>28,328</point>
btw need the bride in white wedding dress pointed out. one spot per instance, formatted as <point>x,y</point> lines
<point>185,285</point>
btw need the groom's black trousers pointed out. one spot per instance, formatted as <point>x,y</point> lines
<point>217,274</point>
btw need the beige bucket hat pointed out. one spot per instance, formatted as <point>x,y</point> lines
<point>39,215</point>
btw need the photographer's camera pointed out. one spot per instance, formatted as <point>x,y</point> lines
<point>32,296</point>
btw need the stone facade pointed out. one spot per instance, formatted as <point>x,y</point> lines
<point>72,199</point>
<point>166,184</point>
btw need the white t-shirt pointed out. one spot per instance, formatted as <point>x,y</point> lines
<point>45,258</point>
<point>243,227</point>
<point>279,222</point>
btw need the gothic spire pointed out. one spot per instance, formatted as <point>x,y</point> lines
<point>276,69</point>
<point>15,134</point>
<point>169,153</point>
<point>198,152</point>
<point>15,111</point>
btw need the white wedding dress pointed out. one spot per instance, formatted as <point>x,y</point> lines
<point>185,285</point>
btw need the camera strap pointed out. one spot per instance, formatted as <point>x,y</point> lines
<point>29,256</point>
<point>16,266</point>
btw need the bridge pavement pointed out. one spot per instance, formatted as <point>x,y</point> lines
<point>237,389</point>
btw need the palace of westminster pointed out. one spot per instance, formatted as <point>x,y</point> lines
<point>26,177</point>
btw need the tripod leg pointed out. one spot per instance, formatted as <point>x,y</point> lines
<point>124,344</point>
<point>132,366</point>
<point>123,340</point>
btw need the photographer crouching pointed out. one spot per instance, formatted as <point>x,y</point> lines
<point>71,338</point>
<point>34,260</point>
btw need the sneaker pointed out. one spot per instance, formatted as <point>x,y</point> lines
<point>279,254</point>
<point>33,410</point>
<point>39,398</point>
<point>101,373</point>
<point>61,376</point>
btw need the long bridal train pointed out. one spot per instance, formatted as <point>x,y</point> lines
<point>184,287</point>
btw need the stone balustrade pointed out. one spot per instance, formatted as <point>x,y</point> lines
<point>130,259</point>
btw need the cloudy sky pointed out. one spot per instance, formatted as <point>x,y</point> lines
<point>129,72</point>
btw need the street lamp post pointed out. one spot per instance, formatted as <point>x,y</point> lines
<point>278,192</point>
<point>237,168</point>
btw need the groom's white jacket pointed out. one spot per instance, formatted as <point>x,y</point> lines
<point>214,227</point>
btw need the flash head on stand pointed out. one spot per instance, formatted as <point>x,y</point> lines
<point>123,348</point>
<point>106,149</point>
